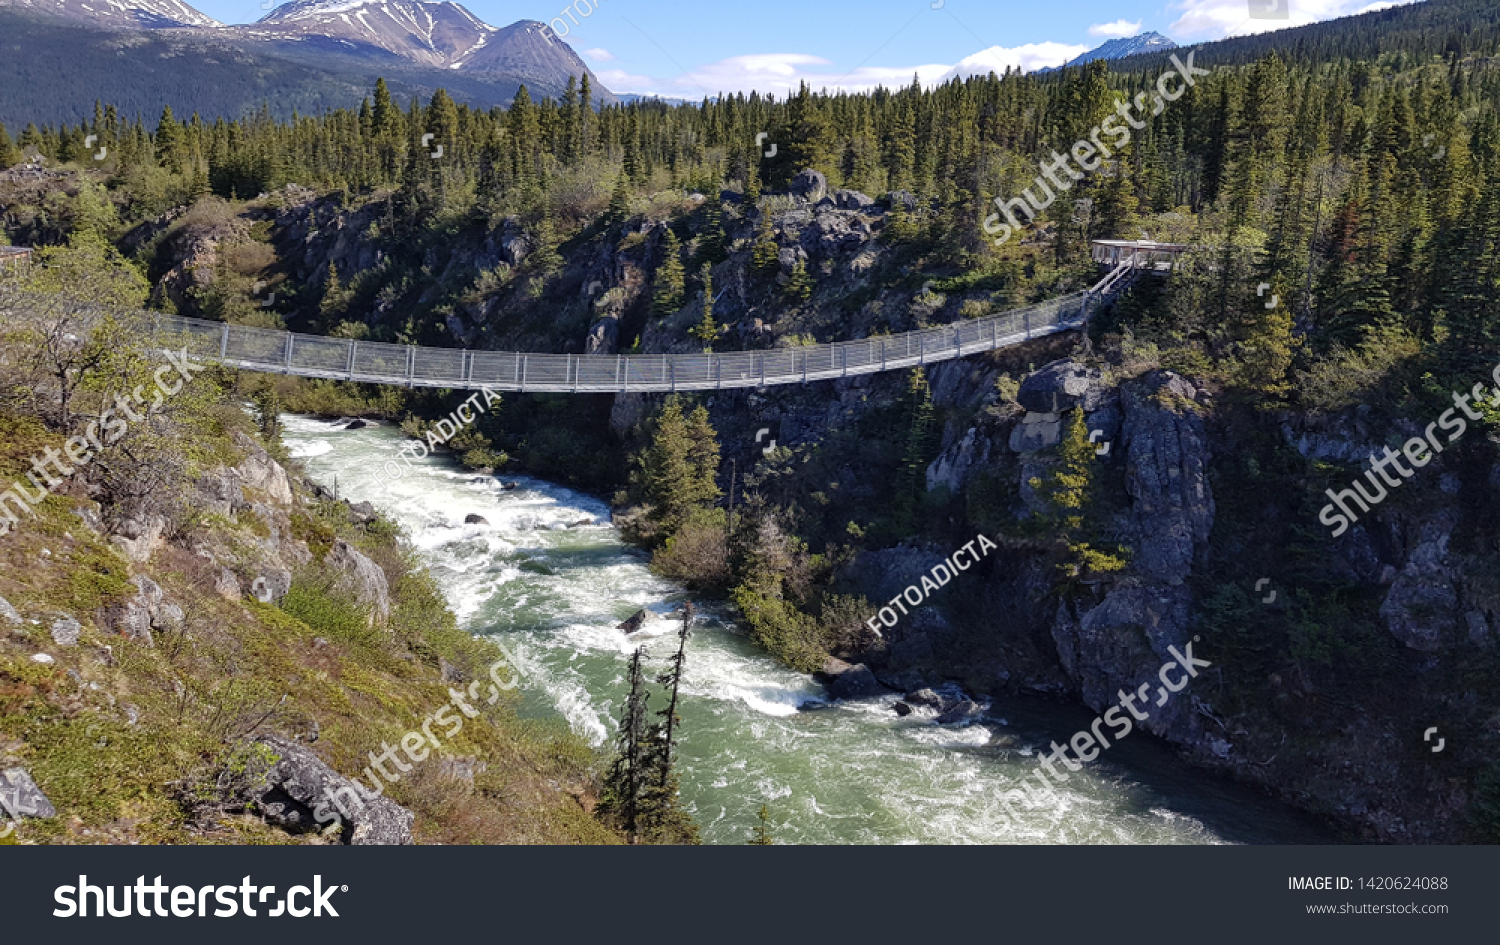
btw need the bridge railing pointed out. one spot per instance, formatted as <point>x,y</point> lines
<point>314,356</point>
<point>283,352</point>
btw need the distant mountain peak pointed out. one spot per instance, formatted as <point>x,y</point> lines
<point>316,9</point>
<point>120,14</point>
<point>1149,41</point>
<point>388,34</point>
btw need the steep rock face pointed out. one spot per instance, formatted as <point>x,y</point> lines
<point>1441,599</point>
<point>951,468</point>
<point>1166,474</point>
<point>1422,608</point>
<point>1434,558</point>
<point>1121,643</point>
<point>267,574</point>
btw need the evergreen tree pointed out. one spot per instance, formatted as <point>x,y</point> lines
<point>619,202</point>
<point>677,473</point>
<point>668,286</point>
<point>1068,491</point>
<point>711,245</point>
<point>707,330</point>
<point>620,798</point>
<point>911,476</point>
<point>168,142</point>
<point>335,298</point>
<point>662,817</point>
<point>800,285</point>
<point>764,257</point>
<point>1270,345</point>
<point>9,153</point>
<point>545,258</point>
<point>267,405</point>
<point>760,834</point>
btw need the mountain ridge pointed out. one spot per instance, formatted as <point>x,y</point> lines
<point>1147,42</point>
<point>436,34</point>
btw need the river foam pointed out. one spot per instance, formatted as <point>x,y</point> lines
<point>755,732</point>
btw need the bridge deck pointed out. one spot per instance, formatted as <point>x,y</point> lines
<point>281,352</point>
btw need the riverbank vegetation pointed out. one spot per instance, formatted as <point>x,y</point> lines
<point>140,655</point>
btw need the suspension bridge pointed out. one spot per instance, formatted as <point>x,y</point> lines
<point>283,352</point>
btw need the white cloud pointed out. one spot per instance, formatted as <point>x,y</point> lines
<point>780,74</point>
<point>600,55</point>
<point>1027,58</point>
<point>1118,29</point>
<point>1215,19</point>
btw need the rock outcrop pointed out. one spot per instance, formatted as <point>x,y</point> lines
<point>148,610</point>
<point>20,797</point>
<point>1120,643</point>
<point>362,579</point>
<point>846,681</point>
<point>295,790</point>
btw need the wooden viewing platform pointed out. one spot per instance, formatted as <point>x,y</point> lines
<point>1147,254</point>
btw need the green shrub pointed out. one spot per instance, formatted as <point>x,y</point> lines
<point>787,634</point>
<point>698,553</point>
<point>313,601</point>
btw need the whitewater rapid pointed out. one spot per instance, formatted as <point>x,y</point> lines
<point>548,573</point>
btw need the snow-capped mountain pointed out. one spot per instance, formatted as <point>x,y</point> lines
<point>440,34</point>
<point>120,14</point>
<point>1149,41</point>
<point>380,34</point>
<point>435,34</point>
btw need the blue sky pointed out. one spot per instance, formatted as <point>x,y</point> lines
<point>691,48</point>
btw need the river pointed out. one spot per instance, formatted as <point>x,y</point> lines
<point>552,578</point>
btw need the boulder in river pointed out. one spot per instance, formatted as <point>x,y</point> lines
<point>902,709</point>
<point>846,681</point>
<point>475,519</point>
<point>638,620</point>
<point>356,425</point>
<point>964,710</point>
<point>926,697</point>
<point>508,486</point>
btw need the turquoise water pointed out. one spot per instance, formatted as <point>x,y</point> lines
<point>550,576</point>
